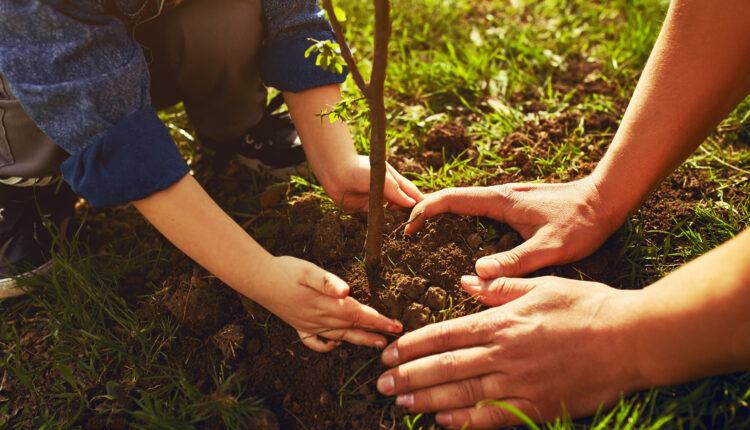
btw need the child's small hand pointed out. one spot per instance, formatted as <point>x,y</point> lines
<point>352,189</point>
<point>316,304</point>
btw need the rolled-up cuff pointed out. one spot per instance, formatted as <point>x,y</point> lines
<point>285,67</point>
<point>135,159</point>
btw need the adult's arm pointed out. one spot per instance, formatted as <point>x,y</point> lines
<point>698,71</point>
<point>554,345</point>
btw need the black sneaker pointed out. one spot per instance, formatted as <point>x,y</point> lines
<point>25,239</point>
<point>270,147</point>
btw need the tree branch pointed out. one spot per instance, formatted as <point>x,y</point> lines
<point>351,63</point>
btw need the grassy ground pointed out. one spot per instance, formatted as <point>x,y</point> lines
<point>73,346</point>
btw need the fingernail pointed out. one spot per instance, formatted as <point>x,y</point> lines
<point>390,355</point>
<point>468,280</point>
<point>405,400</point>
<point>386,384</point>
<point>489,266</point>
<point>380,343</point>
<point>397,326</point>
<point>445,419</point>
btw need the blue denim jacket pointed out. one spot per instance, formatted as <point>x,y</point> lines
<point>83,79</point>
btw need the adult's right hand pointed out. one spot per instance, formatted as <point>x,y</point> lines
<point>560,223</point>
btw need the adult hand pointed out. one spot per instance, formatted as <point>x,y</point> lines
<point>560,223</point>
<point>552,346</point>
<point>351,190</point>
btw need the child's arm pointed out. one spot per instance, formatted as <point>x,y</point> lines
<point>307,297</point>
<point>343,174</point>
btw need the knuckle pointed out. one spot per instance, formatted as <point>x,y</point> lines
<point>355,318</point>
<point>448,364</point>
<point>502,191</point>
<point>404,379</point>
<point>306,271</point>
<point>467,392</point>
<point>499,285</point>
<point>496,415</point>
<point>510,261</point>
<point>443,337</point>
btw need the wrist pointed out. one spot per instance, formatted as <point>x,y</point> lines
<point>625,331</point>
<point>609,207</point>
<point>339,175</point>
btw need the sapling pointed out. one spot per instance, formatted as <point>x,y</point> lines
<point>373,92</point>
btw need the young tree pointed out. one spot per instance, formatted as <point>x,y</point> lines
<point>373,93</point>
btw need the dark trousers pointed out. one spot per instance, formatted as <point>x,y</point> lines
<point>203,52</point>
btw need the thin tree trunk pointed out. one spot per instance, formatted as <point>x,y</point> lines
<point>374,92</point>
<point>376,214</point>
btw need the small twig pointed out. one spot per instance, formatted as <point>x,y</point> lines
<point>351,63</point>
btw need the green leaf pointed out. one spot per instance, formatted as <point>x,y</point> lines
<point>67,374</point>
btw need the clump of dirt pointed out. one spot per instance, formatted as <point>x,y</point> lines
<point>415,316</point>
<point>413,287</point>
<point>449,137</point>
<point>198,304</point>
<point>435,298</point>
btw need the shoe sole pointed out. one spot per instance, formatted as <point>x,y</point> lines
<point>9,286</point>
<point>280,173</point>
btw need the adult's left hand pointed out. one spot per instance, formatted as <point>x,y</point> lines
<point>551,346</point>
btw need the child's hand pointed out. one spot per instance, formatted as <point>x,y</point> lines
<point>315,303</point>
<point>351,191</point>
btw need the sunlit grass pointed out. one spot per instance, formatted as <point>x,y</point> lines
<point>480,62</point>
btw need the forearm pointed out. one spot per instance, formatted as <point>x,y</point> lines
<point>186,215</point>
<point>693,322</point>
<point>328,145</point>
<point>698,71</point>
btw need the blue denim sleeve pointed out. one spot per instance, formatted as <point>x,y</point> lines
<point>290,24</point>
<point>85,82</point>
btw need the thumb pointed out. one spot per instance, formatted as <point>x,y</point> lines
<point>521,260</point>
<point>395,194</point>
<point>324,282</point>
<point>498,291</point>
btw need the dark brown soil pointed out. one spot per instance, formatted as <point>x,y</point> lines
<point>418,280</point>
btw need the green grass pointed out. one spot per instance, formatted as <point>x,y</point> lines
<point>450,59</point>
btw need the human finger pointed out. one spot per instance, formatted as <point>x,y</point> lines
<point>433,370</point>
<point>488,415</point>
<point>530,255</point>
<point>356,337</point>
<point>498,291</point>
<point>394,193</point>
<point>349,313</point>
<point>480,201</point>
<point>313,342</point>
<point>323,282</point>
<point>454,394</point>
<point>448,335</point>
<point>408,186</point>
